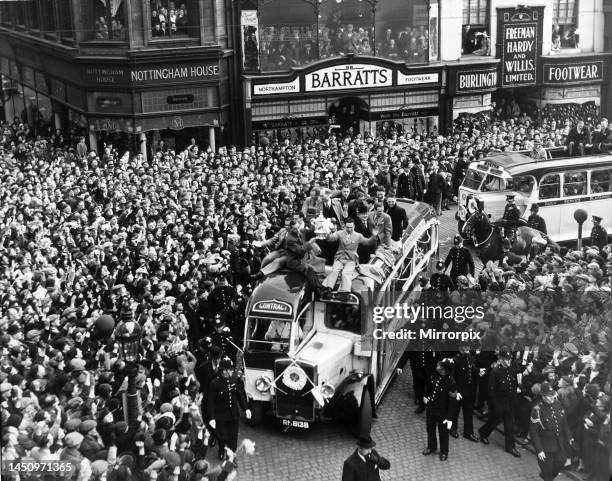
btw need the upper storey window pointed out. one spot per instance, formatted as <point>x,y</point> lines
<point>297,32</point>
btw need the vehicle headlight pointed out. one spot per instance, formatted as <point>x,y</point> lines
<point>263,384</point>
<point>327,390</point>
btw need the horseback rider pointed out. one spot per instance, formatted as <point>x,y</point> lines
<point>536,221</point>
<point>511,218</point>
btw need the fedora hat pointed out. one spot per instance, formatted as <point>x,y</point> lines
<point>365,441</point>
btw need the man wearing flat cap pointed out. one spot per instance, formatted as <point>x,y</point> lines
<point>599,236</point>
<point>365,462</point>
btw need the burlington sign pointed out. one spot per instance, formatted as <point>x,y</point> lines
<point>351,76</point>
<point>477,80</point>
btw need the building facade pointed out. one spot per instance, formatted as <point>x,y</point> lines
<point>607,9</point>
<point>140,74</point>
<point>311,66</point>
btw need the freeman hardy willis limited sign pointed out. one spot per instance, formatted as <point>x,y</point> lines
<point>519,45</point>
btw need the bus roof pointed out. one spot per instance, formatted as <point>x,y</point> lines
<point>416,213</point>
<point>515,163</point>
<point>280,295</point>
<point>505,160</point>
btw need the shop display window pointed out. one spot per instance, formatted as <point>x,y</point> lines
<point>172,19</point>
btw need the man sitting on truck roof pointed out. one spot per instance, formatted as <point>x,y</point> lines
<point>297,248</point>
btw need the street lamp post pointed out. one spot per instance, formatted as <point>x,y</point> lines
<point>580,216</point>
<point>128,334</point>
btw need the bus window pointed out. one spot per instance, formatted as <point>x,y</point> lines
<point>523,184</point>
<point>601,181</point>
<point>493,183</point>
<point>346,317</point>
<point>305,323</point>
<point>268,334</point>
<point>574,183</point>
<point>549,187</point>
<point>473,179</point>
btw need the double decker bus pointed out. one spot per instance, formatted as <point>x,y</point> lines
<point>307,359</point>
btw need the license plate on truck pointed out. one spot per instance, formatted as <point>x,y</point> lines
<point>296,424</point>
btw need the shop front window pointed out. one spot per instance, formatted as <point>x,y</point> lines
<point>107,20</point>
<point>565,32</point>
<point>174,19</point>
<point>297,32</point>
<point>475,38</point>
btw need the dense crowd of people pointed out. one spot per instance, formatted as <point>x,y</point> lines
<point>168,19</point>
<point>291,46</point>
<point>173,243</point>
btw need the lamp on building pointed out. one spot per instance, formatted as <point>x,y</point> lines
<point>128,333</point>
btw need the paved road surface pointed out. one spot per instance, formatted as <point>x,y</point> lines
<point>318,454</point>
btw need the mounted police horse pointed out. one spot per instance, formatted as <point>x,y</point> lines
<point>488,239</point>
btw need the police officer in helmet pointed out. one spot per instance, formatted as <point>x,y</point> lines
<point>226,397</point>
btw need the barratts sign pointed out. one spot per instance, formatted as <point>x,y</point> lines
<point>351,76</point>
<point>519,45</point>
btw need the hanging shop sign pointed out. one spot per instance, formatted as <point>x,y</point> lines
<point>519,45</point>
<point>347,77</point>
<point>573,73</point>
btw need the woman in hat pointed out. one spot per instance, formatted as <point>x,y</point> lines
<point>365,462</point>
